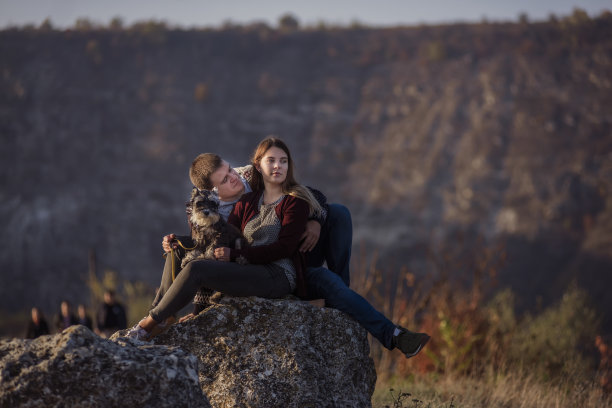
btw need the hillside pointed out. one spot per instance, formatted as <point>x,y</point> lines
<point>497,132</point>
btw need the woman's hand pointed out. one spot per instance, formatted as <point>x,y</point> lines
<point>222,254</point>
<point>310,237</point>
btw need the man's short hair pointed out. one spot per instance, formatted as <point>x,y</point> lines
<point>202,168</point>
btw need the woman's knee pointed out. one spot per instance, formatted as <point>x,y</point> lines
<point>340,211</point>
<point>341,215</point>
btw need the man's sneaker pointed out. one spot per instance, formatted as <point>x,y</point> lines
<point>138,333</point>
<point>408,342</point>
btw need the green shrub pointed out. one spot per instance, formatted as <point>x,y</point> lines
<point>554,341</point>
<point>502,324</point>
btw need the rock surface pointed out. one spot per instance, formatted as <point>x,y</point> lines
<point>256,352</point>
<point>79,369</point>
<point>239,352</point>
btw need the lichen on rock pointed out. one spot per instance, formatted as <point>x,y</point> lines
<point>79,368</point>
<point>257,352</point>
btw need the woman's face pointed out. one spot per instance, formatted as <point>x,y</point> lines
<point>274,165</point>
<point>65,308</point>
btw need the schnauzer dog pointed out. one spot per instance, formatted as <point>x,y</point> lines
<point>208,229</point>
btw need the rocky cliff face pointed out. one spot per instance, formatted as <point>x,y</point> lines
<point>240,352</point>
<point>495,130</point>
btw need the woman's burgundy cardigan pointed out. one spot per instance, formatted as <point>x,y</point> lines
<point>293,215</point>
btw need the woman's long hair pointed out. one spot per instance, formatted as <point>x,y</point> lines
<point>290,186</point>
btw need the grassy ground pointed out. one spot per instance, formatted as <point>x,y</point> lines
<point>508,391</point>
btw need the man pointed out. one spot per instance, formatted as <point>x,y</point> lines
<point>214,173</point>
<point>111,315</point>
<point>38,325</point>
<point>328,239</point>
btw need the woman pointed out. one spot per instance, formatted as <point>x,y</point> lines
<point>65,318</point>
<point>83,316</point>
<point>272,218</point>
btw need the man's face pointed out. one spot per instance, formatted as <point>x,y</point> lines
<point>228,183</point>
<point>35,315</point>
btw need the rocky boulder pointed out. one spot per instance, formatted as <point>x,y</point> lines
<point>78,368</point>
<point>256,352</point>
<point>239,352</point>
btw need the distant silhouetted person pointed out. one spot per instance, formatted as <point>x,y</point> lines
<point>111,316</point>
<point>38,325</point>
<point>65,318</point>
<point>83,317</point>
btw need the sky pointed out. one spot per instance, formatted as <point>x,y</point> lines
<point>213,13</point>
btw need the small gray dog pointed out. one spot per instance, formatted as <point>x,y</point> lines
<point>208,229</point>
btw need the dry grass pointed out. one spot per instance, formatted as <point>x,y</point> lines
<point>503,391</point>
<point>482,354</point>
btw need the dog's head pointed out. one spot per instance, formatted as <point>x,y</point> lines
<point>204,208</point>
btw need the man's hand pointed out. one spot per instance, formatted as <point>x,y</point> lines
<point>310,237</point>
<point>168,243</point>
<point>222,254</point>
<point>186,317</point>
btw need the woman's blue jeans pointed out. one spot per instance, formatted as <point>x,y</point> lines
<point>334,247</point>
<point>335,242</point>
<point>324,284</point>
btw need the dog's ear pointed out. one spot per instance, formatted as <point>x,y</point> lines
<point>188,204</point>
<point>194,192</point>
<point>211,196</point>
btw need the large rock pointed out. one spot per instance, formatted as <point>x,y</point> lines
<point>277,353</point>
<point>79,369</point>
<point>247,352</point>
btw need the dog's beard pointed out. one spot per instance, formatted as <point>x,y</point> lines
<point>202,220</point>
